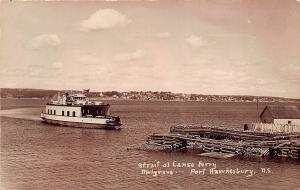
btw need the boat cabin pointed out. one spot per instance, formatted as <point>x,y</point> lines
<point>76,105</point>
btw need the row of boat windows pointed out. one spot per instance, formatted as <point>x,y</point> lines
<point>98,112</point>
<point>53,112</point>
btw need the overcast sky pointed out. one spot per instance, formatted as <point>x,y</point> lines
<point>242,47</point>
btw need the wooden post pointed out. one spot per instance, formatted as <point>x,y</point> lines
<point>257,109</point>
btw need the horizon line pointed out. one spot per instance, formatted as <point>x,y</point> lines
<point>28,88</point>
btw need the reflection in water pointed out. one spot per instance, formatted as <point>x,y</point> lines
<point>39,156</point>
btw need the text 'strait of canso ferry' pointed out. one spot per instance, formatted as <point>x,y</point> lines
<point>76,110</point>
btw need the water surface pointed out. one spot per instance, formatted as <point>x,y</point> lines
<point>40,156</point>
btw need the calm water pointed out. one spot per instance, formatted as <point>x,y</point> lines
<point>40,156</point>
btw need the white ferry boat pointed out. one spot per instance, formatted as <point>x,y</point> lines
<point>77,111</point>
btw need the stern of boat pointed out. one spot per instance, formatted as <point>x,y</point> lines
<point>43,115</point>
<point>114,121</point>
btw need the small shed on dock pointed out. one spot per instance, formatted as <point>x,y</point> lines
<point>281,114</point>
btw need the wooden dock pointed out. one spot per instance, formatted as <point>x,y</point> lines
<point>228,141</point>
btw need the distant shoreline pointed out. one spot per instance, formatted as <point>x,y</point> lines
<point>17,93</point>
<point>160,100</point>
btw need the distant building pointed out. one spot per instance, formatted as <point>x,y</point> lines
<point>278,114</point>
<point>20,96</point>
<point>7,95</point>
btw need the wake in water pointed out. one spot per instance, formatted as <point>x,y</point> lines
<point>22,113</point>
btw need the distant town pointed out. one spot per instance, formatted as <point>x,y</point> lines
<point>140,95</point>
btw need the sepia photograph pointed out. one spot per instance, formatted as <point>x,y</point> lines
<point>149,94</point>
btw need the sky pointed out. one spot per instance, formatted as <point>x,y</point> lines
<point>225,47</point>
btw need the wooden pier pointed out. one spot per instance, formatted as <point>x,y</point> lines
<point>228,141</point>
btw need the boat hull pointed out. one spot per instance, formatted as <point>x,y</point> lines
<point>108,126</point>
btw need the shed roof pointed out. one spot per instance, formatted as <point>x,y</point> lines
<point>283,112</point>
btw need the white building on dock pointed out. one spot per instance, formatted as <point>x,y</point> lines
<point>281,114</point>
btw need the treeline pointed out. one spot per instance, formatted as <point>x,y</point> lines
<point>140,95</point>
<point>26,93</point>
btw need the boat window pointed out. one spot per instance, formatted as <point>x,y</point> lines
<point>63,113</point>
<point>68,113</point>
<point>50,112</point>
<point>54,112</point>
<point>74,114</point>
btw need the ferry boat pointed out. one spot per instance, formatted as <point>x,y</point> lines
<point>76,110</point>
